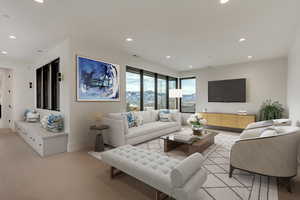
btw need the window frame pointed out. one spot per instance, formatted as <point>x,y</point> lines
<point>156,77</point>
<point>44,87</point>
<point>180,87</point>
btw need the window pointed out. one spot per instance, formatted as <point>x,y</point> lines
<point>161,92</point>
<point>133,90</point>
<point>188,100</point>
<point>173,85</point>
<point>147,90</point>
<point>47,86</point>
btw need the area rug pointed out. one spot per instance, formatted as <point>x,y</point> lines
<point>242,186</point>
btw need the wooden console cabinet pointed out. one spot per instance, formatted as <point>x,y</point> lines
<point>227,120</point>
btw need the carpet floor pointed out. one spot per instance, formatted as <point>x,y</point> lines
<point>70,176</point>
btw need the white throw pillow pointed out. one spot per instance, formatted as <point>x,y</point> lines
<point>139,118</point>
<point>260,124</point>
<point>269,133</point>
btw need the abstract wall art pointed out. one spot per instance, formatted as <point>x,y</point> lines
<point>97,80</point>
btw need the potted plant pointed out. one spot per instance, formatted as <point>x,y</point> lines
<point>197,122</point>
<point>271,110</point>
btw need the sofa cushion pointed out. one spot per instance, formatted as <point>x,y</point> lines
<point>186,169</point>
<point>261,124</point>
<point>150,167</point>
<point>139,118</point>
<point>147,116</point>
<point>149,128</point>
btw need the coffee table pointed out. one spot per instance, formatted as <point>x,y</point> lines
<point>199,144</point>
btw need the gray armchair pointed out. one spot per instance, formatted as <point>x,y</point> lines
<point>271,156</point>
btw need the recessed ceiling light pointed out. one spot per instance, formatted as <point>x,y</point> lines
<point>168,57</point>
<point>39,1</point>
<point>191,66</point>
<point>4,52</point>
<point>250,57</point>
<point>12,37</point>
<point>242,40</point>
<point>129,39</point>
<point>224,1</point>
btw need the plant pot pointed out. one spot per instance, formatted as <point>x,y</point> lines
<point>197,131</point>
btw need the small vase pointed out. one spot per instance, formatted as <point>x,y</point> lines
<point>197,130</point>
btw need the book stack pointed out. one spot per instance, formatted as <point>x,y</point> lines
<point>184,137</point>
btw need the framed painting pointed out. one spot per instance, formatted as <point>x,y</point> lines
<point>97,80</point>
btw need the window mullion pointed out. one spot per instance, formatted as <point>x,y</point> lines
<point>142,90</point>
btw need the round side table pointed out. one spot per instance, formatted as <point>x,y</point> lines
<point>99,145</point>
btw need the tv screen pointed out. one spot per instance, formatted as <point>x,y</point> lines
<point>227,90</point>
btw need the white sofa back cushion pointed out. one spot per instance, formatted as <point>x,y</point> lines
<point>116,116</point>
<point>186,169</point>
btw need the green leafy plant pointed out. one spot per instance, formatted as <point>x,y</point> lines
<point>271,110</point>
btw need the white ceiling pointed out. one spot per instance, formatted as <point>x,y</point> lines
<point>194,32</point>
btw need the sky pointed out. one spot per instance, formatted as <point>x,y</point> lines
<point>133,84</point>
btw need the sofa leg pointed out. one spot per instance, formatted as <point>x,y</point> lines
<point>160,196</point>
<point>231,171</point>
<point>114,172</point>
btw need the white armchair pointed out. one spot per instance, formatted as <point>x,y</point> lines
<point>271,156</point>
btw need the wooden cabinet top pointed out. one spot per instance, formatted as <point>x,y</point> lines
<point>226,113</point>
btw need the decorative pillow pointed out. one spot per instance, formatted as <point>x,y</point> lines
<point>139,118</point>
<point>261,124</point>
<point>269,133</point>
<point>165,116</point>
<point>282,122</point>
<point>131,120</point>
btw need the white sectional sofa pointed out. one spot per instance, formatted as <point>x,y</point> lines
<point>120,134</point>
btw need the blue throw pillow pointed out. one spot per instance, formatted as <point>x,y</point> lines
<point>165,115</point>
<point>131,119</point>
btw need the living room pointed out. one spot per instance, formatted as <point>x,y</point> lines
<point>168,62</point>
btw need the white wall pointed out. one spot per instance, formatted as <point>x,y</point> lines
<point>83,113</point>
<point>293,95</point>
<point>21,97</point>
<point>62,51</point>
<point>6,98</point>
<point>265,80</point>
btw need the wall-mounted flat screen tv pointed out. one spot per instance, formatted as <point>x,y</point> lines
<point>233,90</point>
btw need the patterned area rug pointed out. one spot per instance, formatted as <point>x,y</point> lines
<point>242,186</point>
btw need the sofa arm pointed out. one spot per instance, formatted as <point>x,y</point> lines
<point>272,156</point>
<point>115,135</point>
<point>190,190</point>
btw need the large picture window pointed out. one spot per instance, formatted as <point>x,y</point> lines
<point>188,100</point>
<point>133,90</point>
<point>173,85</point>
<point>161,92</point>
<point>47,86</point>
<point>148,91</point>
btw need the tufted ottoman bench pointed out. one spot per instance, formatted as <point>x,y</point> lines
<point>175,178</point>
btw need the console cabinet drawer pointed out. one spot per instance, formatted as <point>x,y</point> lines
<point>228,120</point>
